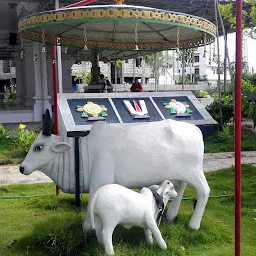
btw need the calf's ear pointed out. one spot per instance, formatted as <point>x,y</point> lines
<point>154,187</point>
<point>60,147</point>
<point>166,192</point>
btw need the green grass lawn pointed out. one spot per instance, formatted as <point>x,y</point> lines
<point>49,225</point>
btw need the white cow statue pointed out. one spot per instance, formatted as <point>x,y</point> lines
<point>115,204</point>
<point>133,156</point>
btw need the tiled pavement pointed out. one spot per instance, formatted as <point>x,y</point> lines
<point>9,174</point>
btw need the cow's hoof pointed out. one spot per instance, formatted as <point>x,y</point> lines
<point>175,220</point>
<point>164,216</point>
<point>87,227</point>
<point>77,209</point>
<point>194,226</point>
<point>163,245</point>
<point>195,202</point>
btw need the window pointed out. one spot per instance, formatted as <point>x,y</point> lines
<point>6,66</point>
<point>138,62</point>
<point>197,58</point>
<point>197,71</point>
<point>221,71</point>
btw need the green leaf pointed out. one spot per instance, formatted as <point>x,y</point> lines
<point>172,111</point>
<point>84,114</point>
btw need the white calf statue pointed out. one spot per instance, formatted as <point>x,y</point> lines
<point>115,204</point>
<point>133,156</point>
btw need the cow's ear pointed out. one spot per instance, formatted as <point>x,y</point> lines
<point>60,147</point>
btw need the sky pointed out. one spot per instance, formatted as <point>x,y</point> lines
<point>251,49</point>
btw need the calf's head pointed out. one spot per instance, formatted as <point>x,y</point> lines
<point>44,149</point>
<point>165,190</point>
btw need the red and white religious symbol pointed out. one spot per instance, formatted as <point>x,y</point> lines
<point>137,110</point>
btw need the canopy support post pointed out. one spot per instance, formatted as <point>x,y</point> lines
<point>238,116</point>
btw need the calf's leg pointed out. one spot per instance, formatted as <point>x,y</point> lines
<point>150,221</point>
<point>148,235</point>
<point>107,233</point>
<point>98,227</point>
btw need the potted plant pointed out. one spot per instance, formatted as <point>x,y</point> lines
<point>83,79</point>
<point>202,94</point>
<point>204,98</point>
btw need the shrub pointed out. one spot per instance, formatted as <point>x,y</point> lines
<point>223,136</point>
<point>25,138</point>
<point>3,131</point>
<point>10,98</point>
<point>227,109</point>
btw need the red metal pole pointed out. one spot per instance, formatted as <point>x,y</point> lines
<point>238,117</point>
<point>55,96</point>
<point>81,3</point>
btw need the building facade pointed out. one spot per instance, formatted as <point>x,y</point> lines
<point>203,67</point>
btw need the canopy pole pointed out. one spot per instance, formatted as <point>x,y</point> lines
<point>55,100</point>
<point>115,78</point>
<point>57,77</point>
<point>183,69</point>
<point>238,117</point>
<point>57,6</point>
<point>155,73</point>
<point>59,69</point>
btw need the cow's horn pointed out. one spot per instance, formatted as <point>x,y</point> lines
<point>47,124</point>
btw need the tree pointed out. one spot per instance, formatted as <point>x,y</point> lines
<point>249,15</point>
<point>158,62</point>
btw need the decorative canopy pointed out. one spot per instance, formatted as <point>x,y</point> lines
<point>117,28</point>
<point>200,8</point>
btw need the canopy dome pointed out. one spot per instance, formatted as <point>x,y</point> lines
<point>119,28</point>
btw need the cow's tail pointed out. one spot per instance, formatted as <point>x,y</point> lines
<point>92,206</point>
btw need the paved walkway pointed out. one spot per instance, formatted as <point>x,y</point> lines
<point>9,174</point>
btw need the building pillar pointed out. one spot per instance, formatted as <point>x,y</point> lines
<point>41,96</point>
<point>30,74</point>
<point>95,70</point>
<point>133,67</point>
<point>25,78</point>
<point>38,112</point>
<point>109,71</point>
<point>20,80</point>
<point>67,63</point>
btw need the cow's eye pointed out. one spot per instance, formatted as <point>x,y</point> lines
<point>38,148</point>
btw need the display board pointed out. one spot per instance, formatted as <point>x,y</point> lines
<point>78,111</point>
